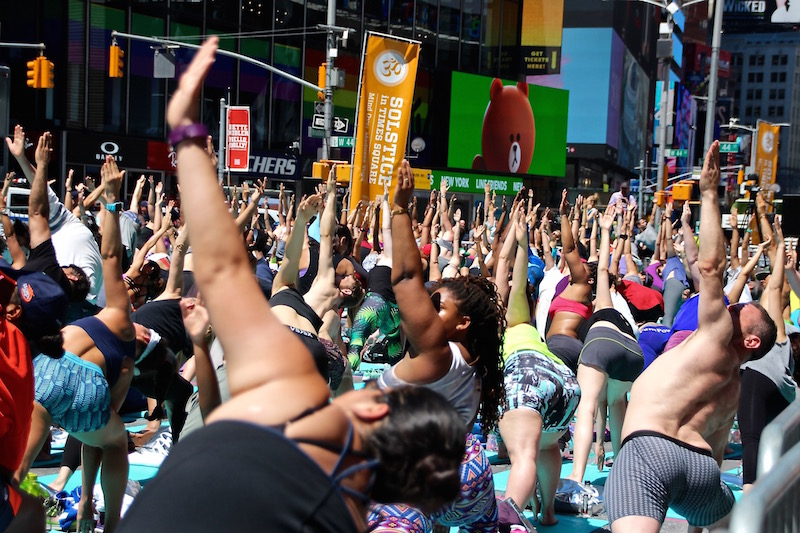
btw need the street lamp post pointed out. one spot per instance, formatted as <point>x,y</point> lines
<point>713,78</point>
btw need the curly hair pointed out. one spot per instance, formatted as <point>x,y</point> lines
<point>477,298</point>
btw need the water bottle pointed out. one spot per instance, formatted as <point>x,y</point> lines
<point>491,442</point>
<point>585,500</point>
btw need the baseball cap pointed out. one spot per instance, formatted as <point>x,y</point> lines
<point>762,273</point>
<point>44,302</point>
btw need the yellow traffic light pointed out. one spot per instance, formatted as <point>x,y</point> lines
<point>115,63</point>
<point>740,177</point>
<point>46,71</point>
<point>322,81</point>
<point>34,75</point>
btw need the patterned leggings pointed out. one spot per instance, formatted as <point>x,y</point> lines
<point>474,510</point>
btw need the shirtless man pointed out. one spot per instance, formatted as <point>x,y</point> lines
<point>682,406</point>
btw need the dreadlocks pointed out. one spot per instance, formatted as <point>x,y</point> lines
<point>477,298</point>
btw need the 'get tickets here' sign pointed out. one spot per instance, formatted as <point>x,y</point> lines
<point>237,141</point>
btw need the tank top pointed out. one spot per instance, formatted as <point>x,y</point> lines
<point>113,349</point>
<point>461,386</point>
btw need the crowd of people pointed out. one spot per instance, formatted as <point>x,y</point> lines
<point>537,319</point>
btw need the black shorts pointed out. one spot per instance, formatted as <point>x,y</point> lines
<point>613,352</point>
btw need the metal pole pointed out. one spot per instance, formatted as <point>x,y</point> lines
<point>713,77</point>
<point>641,186</point>
<point>220,52</point>
<point>330,54</point>
<point>662,132</point>
<point>222,138</point>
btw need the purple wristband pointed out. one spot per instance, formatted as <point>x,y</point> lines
<point>190,131</point>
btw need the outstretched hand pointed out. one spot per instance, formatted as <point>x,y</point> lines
<point>563,208</point>
<point>196,320</point>
<point>607,220</point>
<point>112,177</point>
<point>405,185</point>
<point>17,145</point>
<point>709,176</point>
<point>182,109</point>
<point>44,149</point>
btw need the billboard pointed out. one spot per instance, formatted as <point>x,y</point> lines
<point>761,11</point>
<point>389,71</point>
<point>237,140</point>
<point>767,157</point>
<point>540,42</point>
<point>634,113</point>
<point>589,58</point>
<point>493,125</point>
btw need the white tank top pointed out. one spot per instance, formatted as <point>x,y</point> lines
<point>461,386</point>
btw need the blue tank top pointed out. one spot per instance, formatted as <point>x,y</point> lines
<point>113,349</point>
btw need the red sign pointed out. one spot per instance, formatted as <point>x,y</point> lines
<point>161,156</point>
<point>237,141</point>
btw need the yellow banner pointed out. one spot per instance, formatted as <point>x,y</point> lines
<point>388,75</point>
<point>767,158</point>
<point>540,42</point>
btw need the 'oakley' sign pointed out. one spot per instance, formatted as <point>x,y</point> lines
<point>108,148</point>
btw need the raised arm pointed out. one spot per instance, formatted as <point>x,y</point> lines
<point>290,266</point>
<point>136,197</point>
<point>222,269</point>
<point>386,229</point>
<point>174,287</point>
<point>16,147</point>
<point>568,248</point>
<point>765,228</point>
<point>734,223</point>
<point>38,202</point>
<point>151,197</point>
<point>741,280</point>
<point>141,254</point>
<point>323,290</point>
<point>196,322</point>
<point>111,245</point>
<point>603,300</point>
<point>689,244</point>
<point>418,317</point>
<point>519,311</point>
<point>68,191</point>
<point>711,313</point>
<point>505,259</point>
<point>775,285</point>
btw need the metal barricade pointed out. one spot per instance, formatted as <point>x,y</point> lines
<point>778,437</point>
<point>771,506</point>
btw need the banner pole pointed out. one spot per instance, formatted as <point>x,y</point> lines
<point>355,128</point>
<point>222,155</point>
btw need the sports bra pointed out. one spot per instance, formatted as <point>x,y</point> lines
<point>560,303</point>
<point>291,297</point>
<point>607,315</point>
<point>113,349</point>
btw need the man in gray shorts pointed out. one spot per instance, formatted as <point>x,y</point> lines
<point>682,407</point>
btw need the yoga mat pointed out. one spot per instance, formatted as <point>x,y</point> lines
<point>140,473</point>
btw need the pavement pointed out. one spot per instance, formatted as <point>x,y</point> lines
<point>568,523</point>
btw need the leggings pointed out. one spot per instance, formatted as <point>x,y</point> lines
<point>759,403</point>
<point>673,294</point>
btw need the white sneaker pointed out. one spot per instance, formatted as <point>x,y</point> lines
<point>154,452</point>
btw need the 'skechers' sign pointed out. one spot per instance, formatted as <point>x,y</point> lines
<point>388,75</point>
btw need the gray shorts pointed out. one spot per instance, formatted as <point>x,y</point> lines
<point>653,472</point>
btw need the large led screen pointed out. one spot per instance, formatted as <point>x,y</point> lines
<point>507,127</point>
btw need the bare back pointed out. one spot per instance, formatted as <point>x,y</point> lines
<point>689,393</point>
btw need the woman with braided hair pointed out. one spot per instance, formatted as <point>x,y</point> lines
<point>453,346</point>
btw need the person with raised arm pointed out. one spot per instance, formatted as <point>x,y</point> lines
<point>279,428</point>
<point>542,394</point>
<point>682,407</point>
<point>611,359</point>
<point>83,390</point>
<point>453,346</point>
<point>73,242</point>
<point>573,306</point>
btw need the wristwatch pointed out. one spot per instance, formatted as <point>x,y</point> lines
<point>184,133</point>
<point>116,207</point>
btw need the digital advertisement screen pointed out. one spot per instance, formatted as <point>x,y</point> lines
<point>586,70</point>
<point>493,126</point>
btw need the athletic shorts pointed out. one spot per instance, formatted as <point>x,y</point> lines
<point>613,352</point>
<point>75,392</point>
<point>534,381</point>
<point>566,348</point>
<point>474,509</point>
<point>337,363</point>
<point>10,500</point>
<point>653,472</point>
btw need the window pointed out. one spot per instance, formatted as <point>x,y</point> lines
<point>748,111</point>
<point>756,61</point>
<point>759,94</point>
<point>782,77</point>
<point>771,111</point>
<point>750,94</point>
<point>779,111</point>
<point>757,111</point>
<point>777,77</point>
<point>756,77</point>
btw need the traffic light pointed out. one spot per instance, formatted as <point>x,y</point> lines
<point>740,177</point>
<point>34,77</point>
<point>46,72</point>
<point>322,81</point>
<point>115,63</point>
